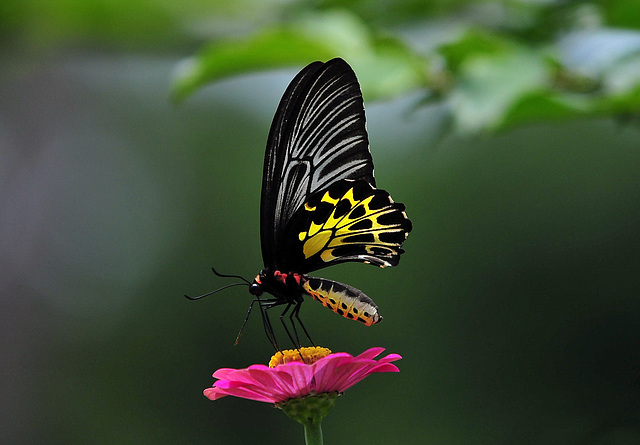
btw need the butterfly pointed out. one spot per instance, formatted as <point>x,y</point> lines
<point>319,204</point>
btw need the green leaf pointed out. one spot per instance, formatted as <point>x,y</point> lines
<point>384,66</point>
<point>545,106</point>
<point>472,44</point>
<point>489,85</point>
<point>627,104</point>
<point>594,52</point>
<point>270,49</point>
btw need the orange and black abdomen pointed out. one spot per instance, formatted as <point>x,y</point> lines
<point>343,299</point>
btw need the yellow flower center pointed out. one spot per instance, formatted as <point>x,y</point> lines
<point>306,355</point>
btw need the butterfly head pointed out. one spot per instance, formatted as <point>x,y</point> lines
<point>255,288</point>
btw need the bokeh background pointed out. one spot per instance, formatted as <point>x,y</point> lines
<point>516,306</point>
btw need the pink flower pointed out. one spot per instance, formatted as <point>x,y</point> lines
<point>321,372</point>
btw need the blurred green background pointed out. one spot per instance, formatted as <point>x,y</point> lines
<point>509,130</point>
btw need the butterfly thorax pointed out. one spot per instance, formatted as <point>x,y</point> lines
<point>284,286</point>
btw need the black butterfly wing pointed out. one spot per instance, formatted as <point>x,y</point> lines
<point>317,137</point>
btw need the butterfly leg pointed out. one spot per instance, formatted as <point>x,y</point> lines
<point>295,339</point>
<point>268,328</point>
<point>296,313</point>
<point>265,305</point>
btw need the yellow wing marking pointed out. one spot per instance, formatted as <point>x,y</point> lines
<point>343,229</point>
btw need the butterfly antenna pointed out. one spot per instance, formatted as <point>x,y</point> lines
<point>215,291</point>
<point>244,283</point>
<point>221,275</point>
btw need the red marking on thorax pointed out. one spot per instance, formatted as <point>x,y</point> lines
<point>282,277</point>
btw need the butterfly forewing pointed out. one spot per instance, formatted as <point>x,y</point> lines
<point>318,137</point>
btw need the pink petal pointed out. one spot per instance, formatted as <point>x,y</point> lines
<point>275,386</point>
<point>328,364</point>
<point>273,383</point>
<point>323,372</point>
<point>370,353</point>
<point>390,358</point>
<point>347,373</point>
<point>216,393</point>
<point>262,377</point>
<point>228,388</point>
<point>331,374</point>
<point>222,373</point>
<point>300,376</point>
<point>352,380</point>
<point>240,389</point>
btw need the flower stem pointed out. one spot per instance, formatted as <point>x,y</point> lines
<point>313,433</point>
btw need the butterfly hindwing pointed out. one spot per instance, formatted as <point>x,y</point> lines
<point>317,137</point>
<point>350,221</point>
<point>343,299</point>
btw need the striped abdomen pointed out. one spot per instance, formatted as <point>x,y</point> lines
<point>343,299</point>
